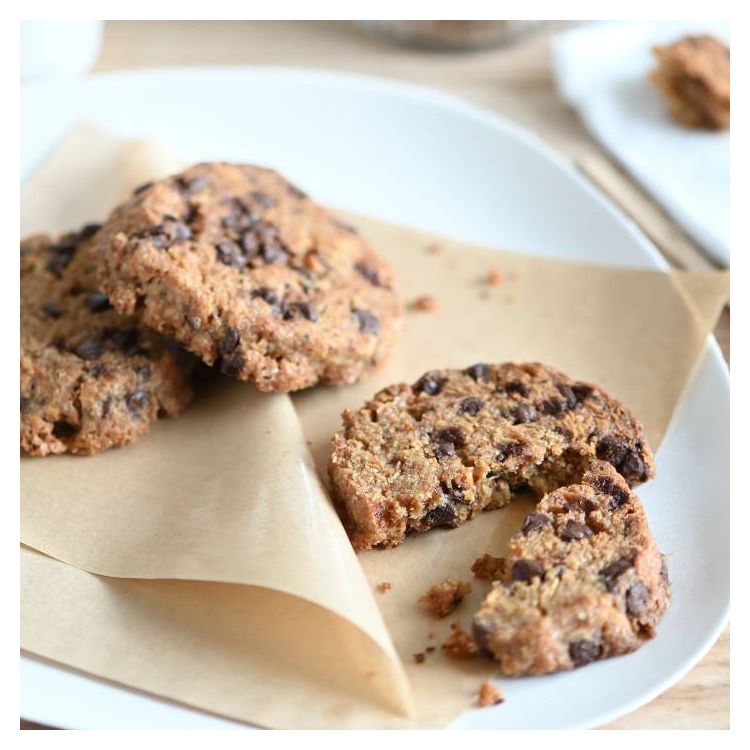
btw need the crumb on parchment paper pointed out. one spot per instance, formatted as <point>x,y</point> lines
<point>425,303</point>
<point>442,598</point>
<point>433,248</point>
<point>488,568</point>
<point>419,658</point>
<point>495,277</point>
<point>384,586</point>
<point>459,644</point>
<point>489,695</point>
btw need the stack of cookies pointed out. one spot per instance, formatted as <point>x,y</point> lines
<point>232,266</point>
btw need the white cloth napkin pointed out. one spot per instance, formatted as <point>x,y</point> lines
<point>602,70</point>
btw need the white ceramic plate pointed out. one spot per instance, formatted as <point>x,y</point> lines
<point>410,155</point>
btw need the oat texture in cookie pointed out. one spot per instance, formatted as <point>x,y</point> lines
<point>434,453</point>
<point>585,581</point>
<point>246,271</point>
<point>693,75</point>
<point>90,377</point>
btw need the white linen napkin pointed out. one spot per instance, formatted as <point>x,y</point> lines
<point>602,71</point>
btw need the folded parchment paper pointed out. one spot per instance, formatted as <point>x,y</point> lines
<point>205,563</point>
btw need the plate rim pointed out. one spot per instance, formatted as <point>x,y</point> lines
<point>463,108</point>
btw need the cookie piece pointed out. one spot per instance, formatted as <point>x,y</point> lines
<point>245,270</point>
<point>456,442</point>
<point>586,581</point>
<point>90,377</point>
<point>693,75</point>
<point>442,598</point>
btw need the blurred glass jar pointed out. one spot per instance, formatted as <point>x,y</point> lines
<point>455,36</point>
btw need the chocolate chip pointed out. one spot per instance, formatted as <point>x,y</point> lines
<point>136,400</point>
<point>471,406</point>
<point>524,413</point>
<point>264,200</point>
<point>582,391</point>
<point>229,254</point>
<point>633,467</point>
<point>612,573</point>
<point>273,252</point>
<point>25,403</point>
<point>160,240</point>
<point>584,652</point>
<point>568,394</point>
<point>89,348</point>
<point>250,244</point>
<point>454,494</point>
<point>452,435</point>
<point>267,295</point>
<point>141,188</point>
<point>181,231</point>
<point>229,341</point>
<point>309,311</point>
<point>526,570</point>
<point>191,185</point>
<point>636,600</point>
<point>125,339</point>
<point>368,272</point>
<point>444,450</point>
<point>368,323</point>
<point>63,430</point>
<point>98,302</point>
<point>553,406</point>
<point>608,486</point>
<point>516,387</point>
<point>481,634</point>
<point>106,407</point>
<point>535,521</point>
<point>477,372</point>
<point>89,230</point>
<point>233,363</point>
<point>612,448</point>
<point>51,310</point>
<point>573,531</point>
<point>62,254</point>
<point>623,456</point>
<point>441,515</point>
<point>507,450</point>
<point>429,384</point>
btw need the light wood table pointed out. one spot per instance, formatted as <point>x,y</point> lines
<point>516,82</point>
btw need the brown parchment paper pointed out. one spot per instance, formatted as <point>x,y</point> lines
<point>223,577</point>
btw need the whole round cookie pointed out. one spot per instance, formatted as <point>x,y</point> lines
<point>457,441</point>
<point>585,581</point>
<point>90,377</point>
<point>245,270</point>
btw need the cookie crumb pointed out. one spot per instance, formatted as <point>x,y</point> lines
<point>425,303</point>
<point>430,649</point>
<point>488,568</point>
<point>442,598</point>
<point>495,277</point>
<point>489,695</point>
<point>433,248</point>
<point>419,658</point>
<point>383,587</point>
<point>459,644</point>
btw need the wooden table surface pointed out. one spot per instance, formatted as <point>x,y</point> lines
<point>516,82</point>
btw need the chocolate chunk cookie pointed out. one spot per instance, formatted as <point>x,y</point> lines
<point>693,75</point>
<point>585,581</point>
<point>90,377</point>
<point>246,271</point>
<point>435,453</point>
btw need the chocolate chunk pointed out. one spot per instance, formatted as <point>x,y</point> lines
<point>568,394</point>
<point>229,254</point>
<point>526,570</point>
<point>429,384</point>
<point>229,341</point>
<point>535,521</point>
<point>136,400</point>
<point>612,448</point>
<point>454,494</point>
<point>452,435</point>
<point>191,185</point>
<point>98,302</point>
<point>441,515</point>
<point>573,531</point>
<point>264,200</point>
<point>471,406</point>
<point>481,634</point>
<point>517,387</point>
<point>524,413</point>
<point>181,231</point>
<point>444,450</point>
<point>368,323</point>
<point>477,372</point>
<point>624,457</point>
<point>582,391</point>
<point>507,450</point>
<point>309,311</point>
<point>633,467</point>
<point>584,652</point>
<point>250,244</point>
<point>636,600</point>
<point>273,252</point>
<point>368,272</point>
<point>553,406</point>
<point>62,254</point>
<point>89,230</point>
<point>63,430</point>
<point>608,486</point>
<point>89,348</point>
<point>51,310</point>
<point>612,573</point>
<point>25,403</point>
<point>233,363</point>
<point>142,188</point>
<point>267,295</point>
